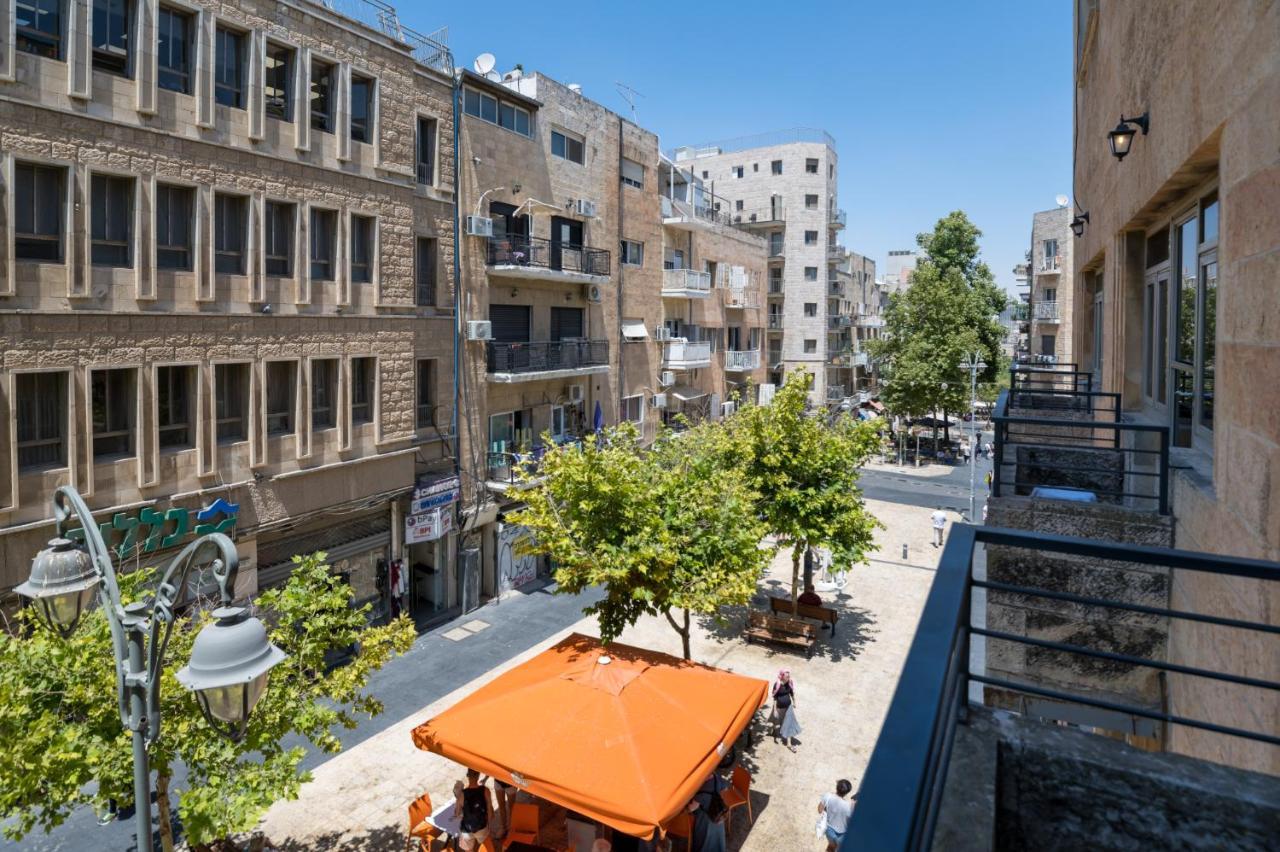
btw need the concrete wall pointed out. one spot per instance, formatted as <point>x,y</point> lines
<point>1209,74</point>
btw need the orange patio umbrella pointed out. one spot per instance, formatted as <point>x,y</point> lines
<point>622,735</point>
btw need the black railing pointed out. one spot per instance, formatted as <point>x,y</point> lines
<point>901,790</point>
<point>1049,377</point>
<point>536,356</point>
<point>542,253</point>
<point>1079,449</point>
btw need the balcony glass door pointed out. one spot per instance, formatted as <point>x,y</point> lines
<point>566,241</point>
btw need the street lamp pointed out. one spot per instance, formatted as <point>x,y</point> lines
<point>230,658</point>
<point>1078,223</point>
<point>1121,138</point>
<point>974,364</point>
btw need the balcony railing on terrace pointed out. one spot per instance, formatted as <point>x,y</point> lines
<point>431,50</point>
<point>542,253</point>
<point>836,287</point>
<point>839,219</point>
<point>902,789</point>
<point>773,214</point>
<point>775,322</point>
<point>685,282</point>
<point>739,297</point>
<point>545,355</point>
<point>741,359</point>
<point>681,354</point>
<point>839,321</point>
<point>1050,264</point>
<point>683,211</point>
<point>1046,311</point>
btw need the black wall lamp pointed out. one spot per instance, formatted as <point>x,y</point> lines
<point>1121,139</point>
<point>1078,223</point>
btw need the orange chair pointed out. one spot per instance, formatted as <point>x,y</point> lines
<point>525,823</point>
<point>419,829</point>
<point>681,825</point>
<point>739,793</point>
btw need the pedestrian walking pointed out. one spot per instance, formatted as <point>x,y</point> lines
<point>988,479</point>
<point>783,715</point>
<point>939,519</point>
<point>836,810</point>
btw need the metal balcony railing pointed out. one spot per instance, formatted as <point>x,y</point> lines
<point>542,253</point>
<point>775,321</point>
<point>835,287</point>
<point>839,219</point>
<point>679,352</point>
<point>839,321</point>
<point>901,792</point>
<point>773,214</point>
<point>741,359</point>
<point>542,355</point>
<point>775,287</point>
<point>1051,264</point>
<point>681,281</point>
<point>673,208</point>
<point>1046,311</point>
<point>739,297</point>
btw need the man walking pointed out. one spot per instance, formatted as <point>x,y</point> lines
<point>939,525</point>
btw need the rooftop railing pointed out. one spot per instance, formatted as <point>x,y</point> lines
<point>542,355</point>
<point>431,49</point>
<point>901,791</point>
<point>542,253</point>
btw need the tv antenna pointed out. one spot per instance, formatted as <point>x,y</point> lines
<point>629,95</point>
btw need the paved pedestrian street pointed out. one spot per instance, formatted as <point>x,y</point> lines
<point>358,799</point>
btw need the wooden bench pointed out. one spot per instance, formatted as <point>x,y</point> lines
<point>783,631</point>
<point>818,613</point>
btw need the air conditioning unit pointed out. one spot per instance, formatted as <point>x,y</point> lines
<point>584,208</point>
<point>479,330</point>
<point>479,226</point>
<point>662,333</point>
<point>595,293</point>
<point>576,393</point>
<point>667,378</point>
<point>658,400</point>
<point>728,408</point>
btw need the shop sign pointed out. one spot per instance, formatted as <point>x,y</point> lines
<point>432,485</point>
<point>428,526</point>
<point>153,530</point>
<point>424,504</point>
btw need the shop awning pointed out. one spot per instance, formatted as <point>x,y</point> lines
<point>634,330</point>
<point>684,393</point>
<point>622,735</point>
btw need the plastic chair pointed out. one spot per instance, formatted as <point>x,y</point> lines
<point>525,823</point>
<point>419,829</point>
<point>739,793</point>
<point>681,825</point>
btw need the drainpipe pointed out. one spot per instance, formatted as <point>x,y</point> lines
<point>617,406</point>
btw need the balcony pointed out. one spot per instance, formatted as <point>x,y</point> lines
<point>540,259</point>
<point>838,219</point>
<point>775,322</point>
<point>740,298</point>
<point>1045,311</point>
<point>777,251</point>
<point>1050,265</point>
<point>837,288</point>
<point>870,321</point>
<point>775,286</point>
<point>685,284</point>
<point>684,216</point>
<point>775,359</point>
<point>507,471</point>
<point>835,251</point>
<point>740,360</point>
<point>681,354</point>
<point>839,321</point>
<point>769,216</point>
<point>835,393</point>
<point>531,361</point>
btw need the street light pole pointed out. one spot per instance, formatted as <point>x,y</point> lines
<point>229,659</point>
<point>974,365</point>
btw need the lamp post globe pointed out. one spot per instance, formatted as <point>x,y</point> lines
<point>61,584</point>
<point>230,661</point>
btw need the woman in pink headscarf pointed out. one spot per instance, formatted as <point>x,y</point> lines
<point>783,714</point>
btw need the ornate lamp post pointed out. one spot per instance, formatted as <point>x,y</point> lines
<point>230,658</point>
<point>974,364</point>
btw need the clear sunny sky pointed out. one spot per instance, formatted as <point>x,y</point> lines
<point>934,105</point>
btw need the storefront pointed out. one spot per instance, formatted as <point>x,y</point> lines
<point>426,581</point>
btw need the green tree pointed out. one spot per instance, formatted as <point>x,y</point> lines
<point>60,728</point>
<point>805,472</point>
<point>665,531</point>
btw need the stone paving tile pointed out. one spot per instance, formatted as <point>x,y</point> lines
<point>475,625</point>
<point>842,696</point>
<point>457,634</point>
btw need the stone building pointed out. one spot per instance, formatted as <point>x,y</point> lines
<point>1049,277</point>
<point>782,186</point>
<point>222,301</point>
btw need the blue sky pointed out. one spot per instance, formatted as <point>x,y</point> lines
<point>934,105</point>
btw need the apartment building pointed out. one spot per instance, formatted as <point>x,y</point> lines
<point>1049,276</point>
<point>782,186</point>
<point>561,281</point>
<point>713,297</point>
<point>221,289</point>
<point>855,305</point>
<point>899,266</point>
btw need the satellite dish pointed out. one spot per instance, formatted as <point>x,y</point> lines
<point>494,76</point>
<point>1061,199</point>
<point>484,63</point>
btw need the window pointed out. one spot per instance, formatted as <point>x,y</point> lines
<point>231,401</point>
<point>111,220</point>
<point>632,173</point>
<point>513,118</point>
<point>111,24</point>
<point>323,237</point>
<point>173,48</point>
<point>282,396</point>
<point>811,273</point>
<point>278,242</point>
<point>737,205</point>
<point>738,171</point>
<point>487,108</point>
<point>277,82</point>
<point>632,253</point>
<point>704,174</point>
<point>361,108</point>
<point>632,408</point>
<point>174,206</point>
<point>811,202</point>
<point>776,167</point>
<point>811,238</point>
<point>810,346</point>
<point>38,204</point>
<point>426,415</point>
<point>755,167</point>
<point>811,309</point>
<point>112,407</point>
<point>566,147</point>
<point>362,390</point>
<point>174,399</point>
<point>39,27</point>
<point>42,420</point>
<point>1047,344</point>
<point>1050,252</point>
<point>228,71</point>
<point>324,393</point>
<point>361,249</point>
<point>322,96</point>
<point>426,151</point>
<point>811,165</point>
<point>228,233</point>
<point>425,273</point>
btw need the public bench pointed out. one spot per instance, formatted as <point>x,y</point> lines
<point>824,614</point>
<point>782,631</point>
